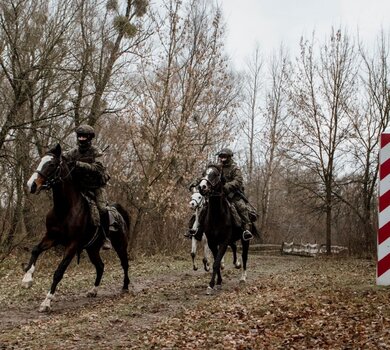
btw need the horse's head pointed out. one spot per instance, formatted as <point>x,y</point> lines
<point>196,200</point>
<point>211,179</point>
<point>48,171</point>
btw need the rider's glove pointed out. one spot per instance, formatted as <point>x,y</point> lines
<point>83,165</point>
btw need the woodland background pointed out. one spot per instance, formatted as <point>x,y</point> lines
<point>156,83</point>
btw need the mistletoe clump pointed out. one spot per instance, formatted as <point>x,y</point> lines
<point>123,26</point>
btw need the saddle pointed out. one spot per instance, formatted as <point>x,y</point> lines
<point>115,218</point>
<point>237,221</point>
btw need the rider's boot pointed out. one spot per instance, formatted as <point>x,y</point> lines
<point>105,224</point>
<point>190,232</point>
<point>200,229</point>
<point>199,233</point>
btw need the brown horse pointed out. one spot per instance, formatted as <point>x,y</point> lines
<point>69,223</point>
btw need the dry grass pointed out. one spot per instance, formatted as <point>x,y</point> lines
<point>287,303</point>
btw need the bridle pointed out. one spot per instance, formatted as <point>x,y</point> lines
<point>55,176</point>
<point>197,200</point>
<point>212,182</point>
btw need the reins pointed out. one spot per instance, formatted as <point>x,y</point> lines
<point>55,177</point>
<point>213,184</point>
<point>93,239</point>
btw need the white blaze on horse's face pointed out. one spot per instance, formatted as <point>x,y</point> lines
<point>196,200</point>
<point>211,178</point>
<point>204,185</point>
<point>36,181</point>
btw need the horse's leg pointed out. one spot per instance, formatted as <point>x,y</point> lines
<point>236,261</point>
<point>96,260</point>
<point>245,249</point>
<point>70,252</point>
<point>195,226</point>
<point>43,245</point>
<point>206,254</point>
<point>223,263</point>
<point>218,253</point>
<point>221,253</point>
<point>210,288</point>
<point>193,253</point>
<point>119,242</point>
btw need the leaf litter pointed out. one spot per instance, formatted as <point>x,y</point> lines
<point>287,303</point>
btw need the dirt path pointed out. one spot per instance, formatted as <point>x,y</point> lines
<point>168,308</point>
<point>177,283</point>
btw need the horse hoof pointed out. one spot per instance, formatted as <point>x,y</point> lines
<point>209,291</point>
<point>44,308</point>
<point>218,287</point>
<point>237,266</point>
<point>125,291</point>
<point>27,284</point>
<point>195,268</point>
<point>242,281</point>
<point>92,293</point>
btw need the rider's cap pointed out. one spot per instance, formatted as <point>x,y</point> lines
<point>85,130</point>
<point>225,152</point>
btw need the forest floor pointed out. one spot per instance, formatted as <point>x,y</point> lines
<point>288,302</point>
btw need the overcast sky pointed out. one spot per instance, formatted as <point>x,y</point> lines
<point>271,22</point>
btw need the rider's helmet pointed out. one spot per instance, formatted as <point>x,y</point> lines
<point>85,133</point>
<point>225,155</point>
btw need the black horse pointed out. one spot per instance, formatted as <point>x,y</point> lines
<point>69,223</point>
<point>218,223</point>
<point>196,203</point>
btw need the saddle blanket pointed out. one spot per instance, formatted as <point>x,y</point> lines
<point>115,218</point>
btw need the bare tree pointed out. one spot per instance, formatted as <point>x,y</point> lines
<point>251,106</point>
<point>321,96</point>
<point>369,117</point>
<point>108,37</point>
<point>59,64</point>
<point>32,38</point>
<point>181,109</point>
<point>274,131</point>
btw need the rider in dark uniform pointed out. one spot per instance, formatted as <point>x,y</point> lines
<point>234,191</point>
<point>90,174</point>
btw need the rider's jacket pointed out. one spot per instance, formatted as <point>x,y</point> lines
<point>87,155</point>
<point>234,181</point>
<point>89,173</point>
<point>232,176</point>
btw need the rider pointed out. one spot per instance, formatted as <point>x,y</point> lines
<point>93,176</point>
<point>233,189</point>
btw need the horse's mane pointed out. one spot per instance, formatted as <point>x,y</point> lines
<point>214,165</point>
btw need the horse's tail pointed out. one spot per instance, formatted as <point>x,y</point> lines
<point>125,216</point>
<point>255,231</point>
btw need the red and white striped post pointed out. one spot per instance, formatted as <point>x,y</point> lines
<point>383,265</point>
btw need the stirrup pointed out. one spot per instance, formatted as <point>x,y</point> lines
<point>190,233</point>
<point>247,235</point>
